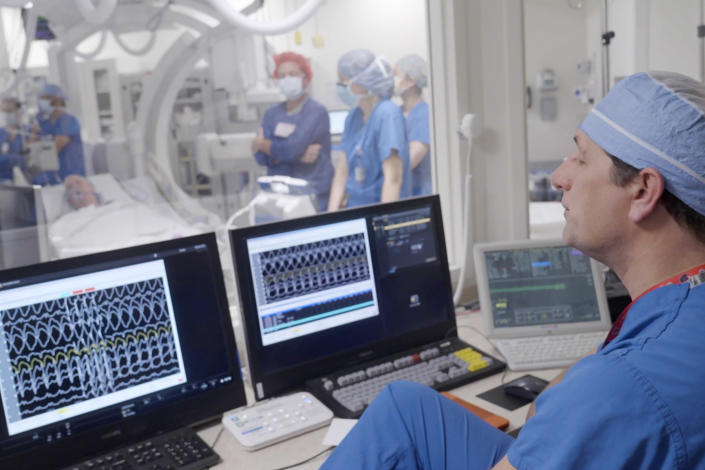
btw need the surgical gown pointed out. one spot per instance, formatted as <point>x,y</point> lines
<point>368,145</point>
<point>638,403</point>
<point>310,126</point>
<point>71,161</point>
<point>417,130</point>
<point>10,153</point>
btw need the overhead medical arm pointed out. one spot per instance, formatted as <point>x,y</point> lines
<point>96,14</point>
<point>31,29</point>
<point>236,18</point>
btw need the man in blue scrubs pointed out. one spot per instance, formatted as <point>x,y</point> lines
<point>11,138</point>
<point>410,77</point>
<point>63,128</point>
<point>634,198</point>
<point>294,139</point>
<point>376,164</point>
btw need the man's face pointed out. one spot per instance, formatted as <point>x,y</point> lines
<point>595,207</point>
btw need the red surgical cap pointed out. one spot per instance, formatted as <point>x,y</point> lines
<point>295,58</point>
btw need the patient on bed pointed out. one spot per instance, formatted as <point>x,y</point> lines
<point>95,223</point>
<point>80,192</point>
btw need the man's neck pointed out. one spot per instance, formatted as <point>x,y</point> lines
<point>655,258</point>
<point>410,100</point>
<point>55,115</point>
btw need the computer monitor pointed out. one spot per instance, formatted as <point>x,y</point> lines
<point>337,120</point>
<point>333,290</point>
<point>108,349</point>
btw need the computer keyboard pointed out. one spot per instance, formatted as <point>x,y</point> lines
<point>543,352</point>
<point>178,450</point>
<point>275,420</point>
<point>442,365</point>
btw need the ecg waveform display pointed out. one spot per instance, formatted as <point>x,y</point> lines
<point>84,346</point>
<point>311,267</point>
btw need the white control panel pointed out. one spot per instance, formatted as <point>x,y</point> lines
<point>276,420</point>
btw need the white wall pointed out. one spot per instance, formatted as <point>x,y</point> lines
<point>673,44</point>
<point>555,38</point>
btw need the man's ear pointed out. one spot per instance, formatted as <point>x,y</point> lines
<point>647,189</point>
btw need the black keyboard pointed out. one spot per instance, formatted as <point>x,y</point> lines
<point>177,450</point>
<point>443,365</point>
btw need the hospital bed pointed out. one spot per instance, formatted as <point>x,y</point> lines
<point>132,212</point>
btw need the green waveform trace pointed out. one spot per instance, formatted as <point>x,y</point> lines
<point>556,286</point>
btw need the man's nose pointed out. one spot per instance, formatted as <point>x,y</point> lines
<point>560,178</point>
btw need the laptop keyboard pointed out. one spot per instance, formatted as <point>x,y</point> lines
<point>442,365</point>
<point>543,352</point>
<point>178,450</point>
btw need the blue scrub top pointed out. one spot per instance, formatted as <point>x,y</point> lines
<point>368,145</point>
<point>71,160</point>
<point>417,129</point>
<point>10,153</point>
<point>639,403</point>
<point>312,127</point>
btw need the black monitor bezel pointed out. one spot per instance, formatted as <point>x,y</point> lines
<point>267,384</point>
<point>176,414</point>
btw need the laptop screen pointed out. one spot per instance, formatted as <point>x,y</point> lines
<point>335,289</point>
<point>102,350</point>
<point>536,286</point>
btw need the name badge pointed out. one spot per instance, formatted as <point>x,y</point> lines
<point>359,175</point>
<point>284,129</point>
<point>5,147</point>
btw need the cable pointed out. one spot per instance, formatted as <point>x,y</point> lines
<point>328,449</point>
<point>241,21</point>
<point>96,15</point>
<point>217,437</point>
<point>96,51</point>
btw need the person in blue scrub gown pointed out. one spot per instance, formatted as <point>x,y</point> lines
<point>376,164</point>
<point>294,139</point>
<point>11,138</point>
<point>55,123</point>
<point>633,193</point>
<point>410,77</point>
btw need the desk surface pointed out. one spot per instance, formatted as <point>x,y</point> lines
<point>307,445</point>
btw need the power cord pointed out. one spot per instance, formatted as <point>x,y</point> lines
<point>328,449</point>
<point>217,437</point>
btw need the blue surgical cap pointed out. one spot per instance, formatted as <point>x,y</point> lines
<point>415,67</point>
<point>355,61</point>
<point>377,78</point>
<point>657,120</point>
<point>52,90</point>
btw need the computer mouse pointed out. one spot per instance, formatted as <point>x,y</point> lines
<point>527,387</point>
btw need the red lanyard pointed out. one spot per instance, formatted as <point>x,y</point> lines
<point>677,279</point>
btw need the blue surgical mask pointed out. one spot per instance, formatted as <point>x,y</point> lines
<point>291,87</point>
<point>10,119</point>
<point>45,106</point>
<point>346,96</point>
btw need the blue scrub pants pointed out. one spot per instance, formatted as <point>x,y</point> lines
<point>411,426</point>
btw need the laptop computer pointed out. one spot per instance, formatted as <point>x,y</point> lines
<point>543,303</point>
<point>345,302</point>
<point>105,358</point>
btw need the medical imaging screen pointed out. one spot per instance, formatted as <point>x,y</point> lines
<point>338,284</point>
<point>535,286</point>
<point>91,344</point>
<point>312,279</point>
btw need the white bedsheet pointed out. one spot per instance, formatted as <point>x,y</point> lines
<point>114,225</point>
